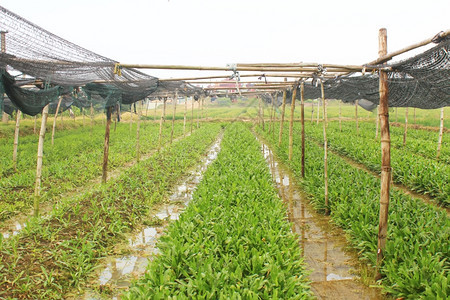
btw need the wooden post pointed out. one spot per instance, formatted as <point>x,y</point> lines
<point>40,155</point>
<point>92,115</point>
<point>131,115</point>
<point>145,101</point>
<point>262,115</point>
<point>138,124</point>
<point>109,111</point>
<point>203,108</point>
<point>325,148</point>
<point>340,115</point>
<point>385,155</point>
<point>175,99</point>
<point>441,131</point>
<point>291,122</point>
<point>406,127</point>
<point>192,114</point>
<point>259,111</point>
<point>156,105</point>
<point>16,139</point>
<point>283,107</point>
<point>318,111</point>
<point>356,116</point>
<point>377,122</point>
<point>302,116</point>
<point>55,118</point>
<point>163,114</point>
<point>198,113</point>
<point>271,112</point>
<point>184,119</point>
<point>312,112</point>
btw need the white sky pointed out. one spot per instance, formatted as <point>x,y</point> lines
<point>214,32</point>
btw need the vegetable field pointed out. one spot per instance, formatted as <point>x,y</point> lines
<point>234,240</point>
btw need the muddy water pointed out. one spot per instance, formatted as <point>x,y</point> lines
<point>118,271</point>
<point>332,268</point>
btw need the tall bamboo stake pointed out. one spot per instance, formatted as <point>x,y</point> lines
<point>385,155</point>
<point>262,117</point>
<point>291,122</point>
<point>325,148</point>
<point>198,113</point>
<point>271,112</point>
<point>406,127</point>
<point>356,116</point>
<point>156,105</point>
<point>109,111</point>
<point>184,119</point>
<point>55,118</point>
<point>302,116</point>
<point>40,155</point>
<point>441,131</point>
<point>173,115</point>
<point>259,111</point>
<point>377,121</point>
<point>192,114</point>
<point>274,111</point>
<point>318,111</point>
<point>131,115</point>
<point>163,114</point>
<point>283,107</point>
<point>340,115</point>
<point>16,139</point>
<point>203,108</point>
<point>312,112</point>
<point>34,127</point>
<point>146,108</point>
<point>138,128</point>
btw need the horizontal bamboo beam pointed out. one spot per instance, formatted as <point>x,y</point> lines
<point>389,56</point>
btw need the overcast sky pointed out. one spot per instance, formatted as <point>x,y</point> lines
<point>214,32</point>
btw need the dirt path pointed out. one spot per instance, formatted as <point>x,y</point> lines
<point>333,268</point>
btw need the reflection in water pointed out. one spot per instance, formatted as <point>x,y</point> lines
<point>321,243</point>
<point>119,271</point>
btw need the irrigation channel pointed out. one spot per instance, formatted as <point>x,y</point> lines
<point>117,271</point>
<point>332,267</point>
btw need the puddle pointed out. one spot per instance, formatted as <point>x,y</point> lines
<point>322,244</point>
<point>118,271</point>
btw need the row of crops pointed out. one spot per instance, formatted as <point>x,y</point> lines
<point>55,254</point>
<point>74,159</point>
<point>233,241</point>
<point>416,256</point>
<point>414,165</point>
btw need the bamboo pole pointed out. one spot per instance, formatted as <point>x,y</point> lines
<point>325,148</point>
<point>198,113</point>
<point>40,156</point>
<point>283,107</point>
<point>163,114</point>
<point>312,112</point>
<point>192,114</point>
<point>441,131</point>
<point>340,115</point>
<point>109,111</point>
<point>34,127</point>
<point>318,111</point>
<point>406,127</point>
<point>173,115</point>
<point>138,128</point>
<point>55,118</point>
<point>291,122</point>
<point>302,116</point>
<point>131,115</point>
<point>385,155</point>
<point>259,112</point>
<point>356,116</point>
<point>16,139</point>
<point>262,117</point>
<point>146,107</point>
<point>184,118</point>
<point>377,122</point>
<point>203,108</point>
<point>156,105</point>
<point>274,112</point>
<point>270,114</point>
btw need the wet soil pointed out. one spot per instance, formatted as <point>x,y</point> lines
<point>333,268</point>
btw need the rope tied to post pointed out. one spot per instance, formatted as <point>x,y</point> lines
<point>118,69</point>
